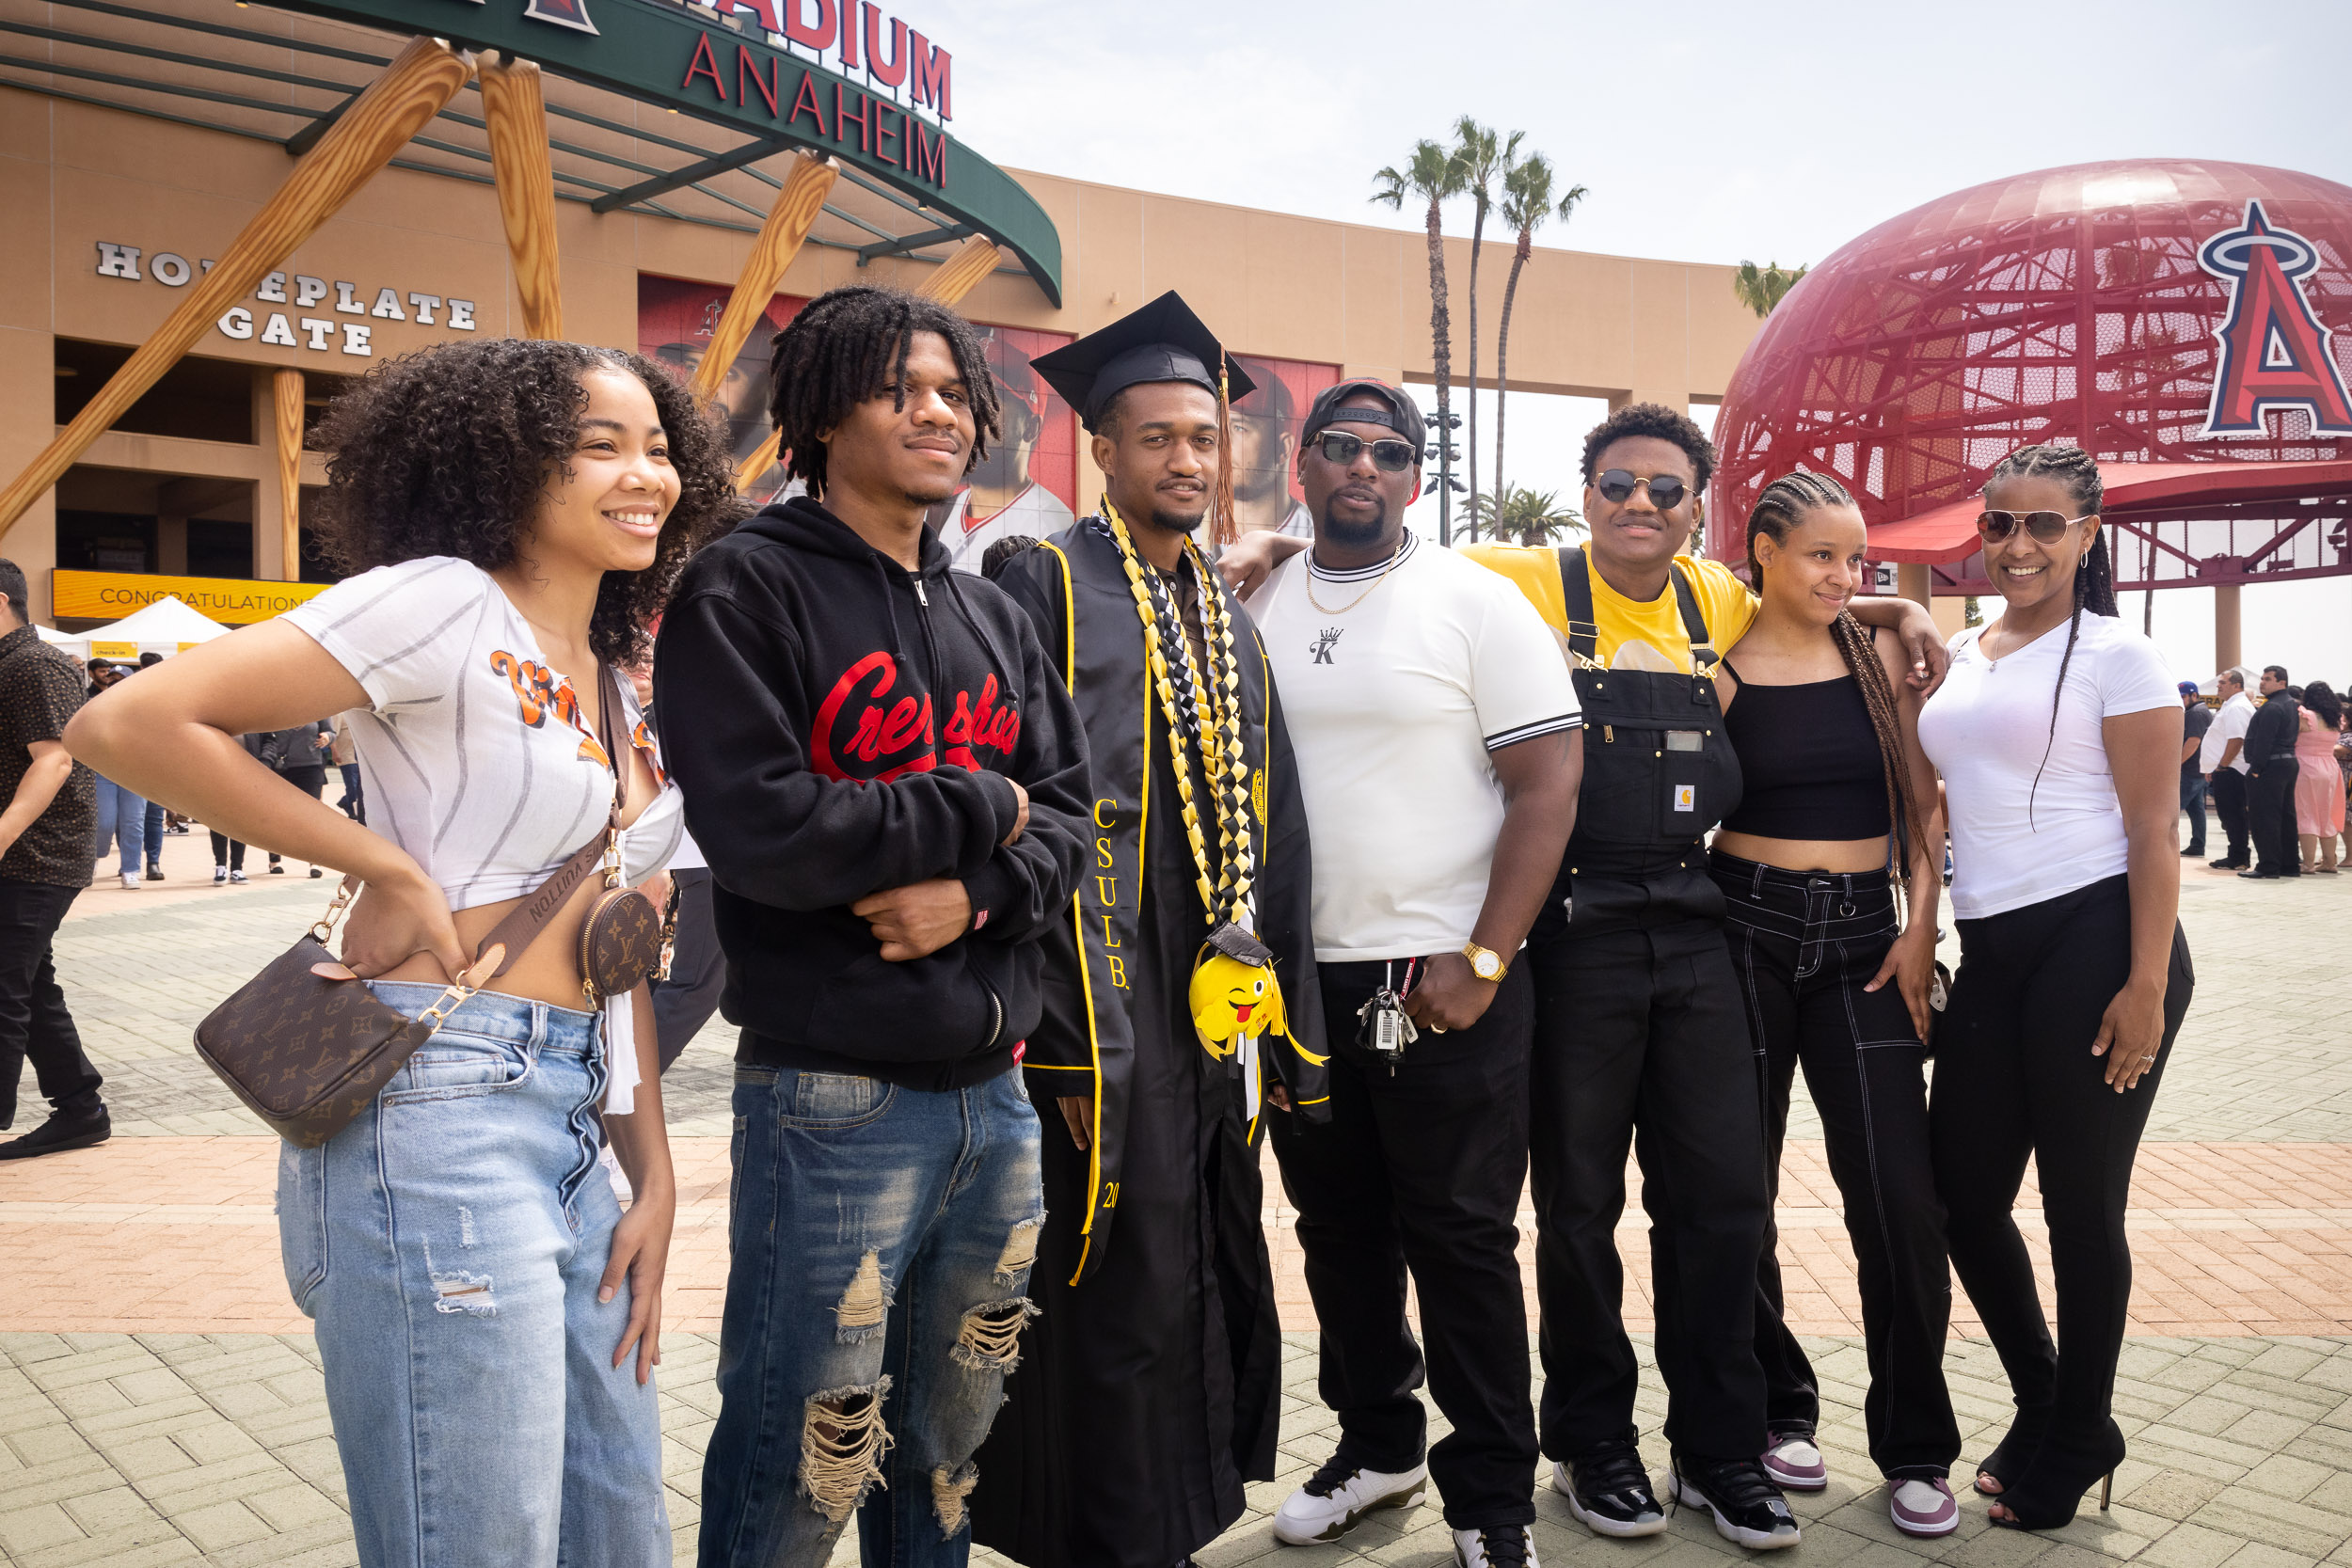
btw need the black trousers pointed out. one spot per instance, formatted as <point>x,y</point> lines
<point>2270,800</point>
<point>1421,1170</point>
<point>1642,1040</point>
<point>1805,946</point>
<point>227,852</point>
<point>2228,789</point>
<point>2014,1076</point>
<point>683,1003</point>
<point>34,1020</point>
<point>2193,803</point>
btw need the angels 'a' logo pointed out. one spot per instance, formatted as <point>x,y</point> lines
<point>563,13</point>
<point>2273,353</point>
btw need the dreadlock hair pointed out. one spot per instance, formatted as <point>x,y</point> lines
<point>1782,506</point>
<point>1655,419</point>
<point>848,345</point>
<point>2094,575</point>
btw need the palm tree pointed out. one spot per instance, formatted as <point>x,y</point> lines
<point>1485,158</point>
<point>1533,516</point>
<point>1762,288</point>
<point>1434,175</point>
<point>1527,202</point>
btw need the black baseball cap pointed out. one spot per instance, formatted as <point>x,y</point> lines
<point>1400,413</point>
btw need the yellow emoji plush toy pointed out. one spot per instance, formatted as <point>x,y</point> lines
<point>1230,998</point>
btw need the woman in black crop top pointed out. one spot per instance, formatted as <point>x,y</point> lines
<point>1837,794</point>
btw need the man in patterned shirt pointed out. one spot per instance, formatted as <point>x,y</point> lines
<point>45,834</point>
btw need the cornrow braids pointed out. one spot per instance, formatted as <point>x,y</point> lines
<point>1781,507</point>
<point>847,344</point>
<point>2094,575</point>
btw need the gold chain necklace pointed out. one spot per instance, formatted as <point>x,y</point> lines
<point>1359,598</point>
<point>1217,713</point>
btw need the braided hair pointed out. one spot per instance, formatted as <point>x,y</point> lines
<point>845,346</point>
<point>2094,575</point>
<point>1782,506</point>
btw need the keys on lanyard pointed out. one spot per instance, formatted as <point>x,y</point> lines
<point>1385,1029</point>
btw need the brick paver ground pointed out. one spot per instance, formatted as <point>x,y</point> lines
<point>160,1403</point>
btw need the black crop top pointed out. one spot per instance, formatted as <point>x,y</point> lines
<point>1809,763</point>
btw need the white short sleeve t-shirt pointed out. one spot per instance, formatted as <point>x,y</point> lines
<point>474,755</point>
<point>1985,729</point>
<point>1394,701</point>
<point>2228,725</point>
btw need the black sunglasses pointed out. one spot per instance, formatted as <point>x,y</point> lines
<point>1616,487</point>
<point>1393,457</point>
<point>2047,527</point>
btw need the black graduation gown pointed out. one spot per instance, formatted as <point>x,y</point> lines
<point>1149,1389</point>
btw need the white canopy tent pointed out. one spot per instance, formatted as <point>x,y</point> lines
<point>165,627</point>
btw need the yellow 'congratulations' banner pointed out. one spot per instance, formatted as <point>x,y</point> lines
<point>111,595</point>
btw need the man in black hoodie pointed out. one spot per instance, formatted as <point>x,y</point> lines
<point>890,784</point>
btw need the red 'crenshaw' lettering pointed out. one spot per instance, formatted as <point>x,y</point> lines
<point>881,741</point>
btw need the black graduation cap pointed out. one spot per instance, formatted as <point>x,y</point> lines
<point>1162,341</point>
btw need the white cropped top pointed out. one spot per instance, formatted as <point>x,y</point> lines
<point>475,756</point>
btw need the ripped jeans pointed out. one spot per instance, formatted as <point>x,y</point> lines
<point>881,1240</point>
<point>450,1241</point>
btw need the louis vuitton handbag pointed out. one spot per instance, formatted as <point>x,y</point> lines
<point>307,1052</point>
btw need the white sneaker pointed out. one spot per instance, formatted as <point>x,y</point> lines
<point>1497,1547</point>
<point>130,881</point>
<point>1339,1497</point>
<point>220,874</point>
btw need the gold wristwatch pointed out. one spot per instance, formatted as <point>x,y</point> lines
<point>1485,962</point>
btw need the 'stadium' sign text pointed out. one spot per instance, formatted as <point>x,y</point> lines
<point>330,330</point>
<point>855,32</point>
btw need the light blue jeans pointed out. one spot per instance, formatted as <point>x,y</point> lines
<point>450,1241</point>
<point>122,820</point>
<point>882,1238</point>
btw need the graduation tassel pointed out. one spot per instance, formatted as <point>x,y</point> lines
<point>1228,528</point>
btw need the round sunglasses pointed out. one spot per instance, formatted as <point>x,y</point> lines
<point>1389,456</point>
<point>1616,486</point>
<point>2047,527</point>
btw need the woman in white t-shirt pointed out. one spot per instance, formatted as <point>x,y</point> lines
<point>488,1319</point>
<point>2058,735</point>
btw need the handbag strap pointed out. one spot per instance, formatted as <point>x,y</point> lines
<point>523,924</point>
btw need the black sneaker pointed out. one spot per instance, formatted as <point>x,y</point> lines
<point>1749,1510</point>
<point>60,1132</point>
<point>1609,1493</point>
<point>1495,1546</point>
<point>2228,863</point>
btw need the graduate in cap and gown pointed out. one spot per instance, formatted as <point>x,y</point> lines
<point>1181,1009</point>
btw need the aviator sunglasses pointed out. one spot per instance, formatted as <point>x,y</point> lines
<point>1616,487</point>
<point>2047,527</point>
<point>1390,456</point>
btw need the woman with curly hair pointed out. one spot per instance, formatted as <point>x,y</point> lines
<point>2058,735</point>
<point>489,1318</point>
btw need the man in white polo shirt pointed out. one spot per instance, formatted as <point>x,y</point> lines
<point>2225,768</point>
<point>1439,754</point>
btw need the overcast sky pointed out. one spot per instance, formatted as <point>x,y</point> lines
<point>1707,131</point>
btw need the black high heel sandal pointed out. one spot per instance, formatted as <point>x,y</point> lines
<point>2012,1456</point>
<point>2047,1496</point>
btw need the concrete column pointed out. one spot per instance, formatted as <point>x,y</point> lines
<point>1915,581</point>
<point>28,419</point>
<point>2226,640</point>
<point>269,506</point>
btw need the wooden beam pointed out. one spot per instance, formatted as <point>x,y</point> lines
<point>959,274</point>
<point>516,111</point>
<point>759,462</point>
<point>286,388</point>
<point>788,223</point>
<point>413,88</point>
